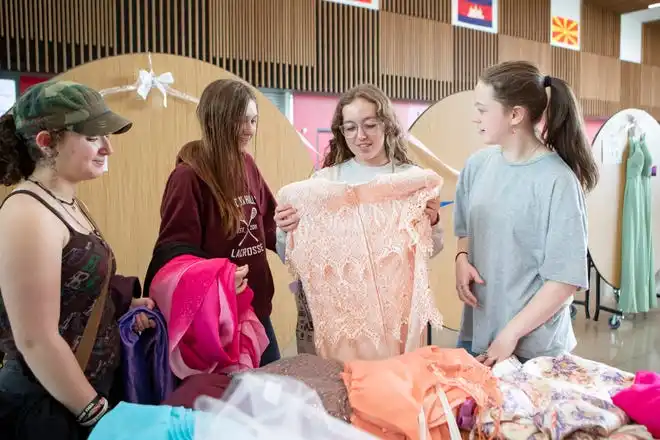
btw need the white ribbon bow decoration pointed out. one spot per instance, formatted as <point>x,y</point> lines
<point>147,80</point>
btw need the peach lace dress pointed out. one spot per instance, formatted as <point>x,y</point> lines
<point>361,253</point>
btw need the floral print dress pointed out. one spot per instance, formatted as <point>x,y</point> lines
<point>564,397</point>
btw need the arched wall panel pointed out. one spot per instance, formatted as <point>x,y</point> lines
<point>126,201</point>
<point>446,129</point>
<point>605,202</point>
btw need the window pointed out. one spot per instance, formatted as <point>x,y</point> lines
<point>282,99</point>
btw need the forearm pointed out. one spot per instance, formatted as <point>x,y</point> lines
<point>548,301</point>
<point>438,237</point>
<point>280,244</point>
<point>55,366</point>
<point>122,291</point>
<point>463,245</point>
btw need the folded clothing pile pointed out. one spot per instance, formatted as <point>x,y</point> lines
<point>418,395</point>
<point>560,398</point>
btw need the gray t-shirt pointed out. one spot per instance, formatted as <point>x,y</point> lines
<point>527,223</point>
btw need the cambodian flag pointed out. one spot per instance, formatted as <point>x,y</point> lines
<point>476,12</point>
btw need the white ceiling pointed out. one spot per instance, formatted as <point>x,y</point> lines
<point>644,15</point>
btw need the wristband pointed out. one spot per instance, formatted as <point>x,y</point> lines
<point>84,414</point>
<point>458,254</point>
<point>94,410</point>
<point>95,416</point>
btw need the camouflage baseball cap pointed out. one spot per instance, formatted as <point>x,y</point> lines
<point>66,105</point>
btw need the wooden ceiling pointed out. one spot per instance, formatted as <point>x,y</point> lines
<point>623,6</point>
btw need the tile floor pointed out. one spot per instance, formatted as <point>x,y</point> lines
<point>632,347</point>
<point>635,345</point>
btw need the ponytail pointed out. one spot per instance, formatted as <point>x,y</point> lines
<point>520,83</point>
<point>16,162</point>
<point>565,134</point>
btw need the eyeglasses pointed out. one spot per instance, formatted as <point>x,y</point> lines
<point>370,127</point>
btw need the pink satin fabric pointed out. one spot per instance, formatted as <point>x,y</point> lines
<point>211,329</point>
<point>642,401</point>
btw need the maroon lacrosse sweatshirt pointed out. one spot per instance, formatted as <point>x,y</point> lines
<point>189,215</point>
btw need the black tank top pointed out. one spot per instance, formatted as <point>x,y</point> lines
<point>84,267</point>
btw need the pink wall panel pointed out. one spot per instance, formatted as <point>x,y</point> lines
<point>312,115</point>
<point>592,126</point>
<point>26,81</point>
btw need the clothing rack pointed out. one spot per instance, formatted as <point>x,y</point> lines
<point>615,320</point>
<point>632,129</point>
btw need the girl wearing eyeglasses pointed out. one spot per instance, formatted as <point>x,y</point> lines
<point>368,141</point>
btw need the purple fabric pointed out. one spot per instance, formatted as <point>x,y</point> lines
<point>148,379</point>
<point>465,419</point>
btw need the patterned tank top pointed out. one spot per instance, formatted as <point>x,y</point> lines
<point>84,267</point>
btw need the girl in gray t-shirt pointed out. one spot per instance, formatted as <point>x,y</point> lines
<point>520,217</point>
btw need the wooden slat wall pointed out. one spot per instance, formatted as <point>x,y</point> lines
<point>650,90</point>
<point>438,10</point>
<point>473,52</point>
<point>631,84</point>
<point>650,70</point>
<point>512,48</point>
<point>651,43</point>
<point>416,55</point>
<point>600,84</point>
<point>601,71</point>
<point>409,47</point>
<point>601,31</point>
<point>566,65</point>
<point>270,44</point>
<point>529,19</point>
<point>347,47</point>
<point>54,36</point>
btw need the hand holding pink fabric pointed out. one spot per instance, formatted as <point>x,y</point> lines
<point>211,327</point>
<point>240,279</point>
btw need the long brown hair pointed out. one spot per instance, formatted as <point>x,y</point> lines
<point>519,83</point>
<point>218,158</point>
<point>395,144</point>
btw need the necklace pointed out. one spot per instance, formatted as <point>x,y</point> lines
<point>71,203</point>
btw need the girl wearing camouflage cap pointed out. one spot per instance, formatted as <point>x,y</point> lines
<point>59,335</point>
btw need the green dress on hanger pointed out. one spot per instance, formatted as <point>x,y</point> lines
<point>637,293</point>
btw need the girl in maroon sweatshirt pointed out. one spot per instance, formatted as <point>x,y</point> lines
<point>217,204</point>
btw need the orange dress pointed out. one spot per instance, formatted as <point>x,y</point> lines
<point>424,390</point>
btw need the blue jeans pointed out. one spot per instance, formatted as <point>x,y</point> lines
<point>467,345</point>
<point>272,352</point>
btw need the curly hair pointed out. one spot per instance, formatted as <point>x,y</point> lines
<point>395,143</point>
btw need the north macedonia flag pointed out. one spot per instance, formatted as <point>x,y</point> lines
<point>565,31</point>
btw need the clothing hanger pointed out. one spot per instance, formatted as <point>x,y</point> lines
<point>633,128</point>
<point>432,161</point>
